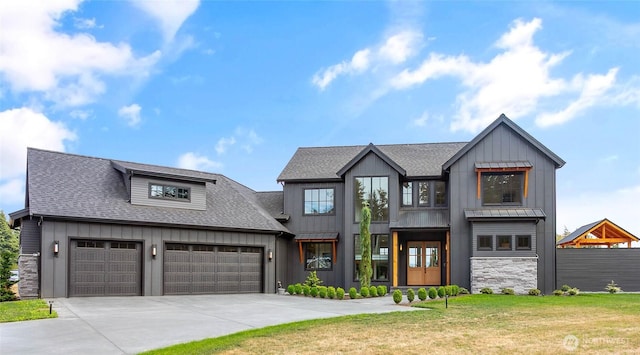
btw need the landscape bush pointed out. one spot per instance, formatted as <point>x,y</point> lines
<point>340,293</point>
<point>486,291</point>
<point>411,295</point>
<point>306,290</point>
<point>573,292</point>
<point>448,291</point>
<point>441,292</point>
<point>422,294</point>
<point>353,293</point>
<point>298,288</point>
<point>322,291</point>
<point>331,292</point>
<point>397,296</point>
<point>534,292</point>
<point>565,288</point>
<point>373,291</point>
<point>433,293</point>
<point>612,287</point>
<point>455,290</point>
<point>382,290</point>
<point>507,291</point>
<point>364,292</point>
<point>291,289</point>
<point>463,291</point>
<point>313,280</point>
<point>314,291</point>
<point>558,292</point>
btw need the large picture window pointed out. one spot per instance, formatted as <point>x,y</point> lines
<point>318,201</point>
<point>379,257</point>
<point>502,188</point>
<point>374,190</point>
<point>169,192</point>
<point>318,256</point>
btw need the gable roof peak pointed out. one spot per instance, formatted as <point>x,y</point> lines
<point>371,148</point>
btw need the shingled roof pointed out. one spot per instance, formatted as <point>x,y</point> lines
<point>324,163</point>
<point>87,188</point>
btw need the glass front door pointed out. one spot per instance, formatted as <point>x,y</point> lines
<point>423,263</point>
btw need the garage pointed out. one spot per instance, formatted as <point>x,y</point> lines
<point>105,268</point>
<point>209,269</point>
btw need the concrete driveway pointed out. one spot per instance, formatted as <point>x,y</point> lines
<point>128,325</point>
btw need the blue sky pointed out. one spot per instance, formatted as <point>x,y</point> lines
<point>235,87</point>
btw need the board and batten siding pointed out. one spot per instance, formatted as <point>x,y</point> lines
<point>591,269</point>
<point>140,194</point>
<point>303,224</point>
<point>55,269</point>
<point>500,145</point>
<point>29,236</point>
<point>505,228</point>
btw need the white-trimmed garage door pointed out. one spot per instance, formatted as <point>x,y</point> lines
<point>105,268</point>
<point>208,269</point>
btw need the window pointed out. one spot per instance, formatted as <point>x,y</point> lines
<point>169,192</point>
<point>502,188</point>
<point>523,242</point>
<point>318,256</point>
<point>318,201</point>
<point>503,242</point>
<point>441,194</point>
<point>425,193</point>
<point>485,242</point>
<point>206,248</point>
<point>90,244</point>
<point>122,245</point>
<point>375,191</point>
<point>407,193</point>
<point>379,257</point>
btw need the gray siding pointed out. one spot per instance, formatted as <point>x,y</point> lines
<point>140,194</point>
<point>29,236</point>
<point>591,269</point>
<point>55,269</point>
<point>503,144</point>
<point>505,228</point>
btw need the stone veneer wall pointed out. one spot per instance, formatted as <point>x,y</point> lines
<point>28,269</point>
<point>518,273</point>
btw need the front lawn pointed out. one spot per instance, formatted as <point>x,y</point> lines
<point>15,311</point>
<point>477,323</point>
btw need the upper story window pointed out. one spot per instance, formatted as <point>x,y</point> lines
<point>502,188</point>
<point>440,194</point>
<point>318,201</point>
<point>424,191</point>
<point>374,190</point>
<point>169,192</point>
<point>407,193</point>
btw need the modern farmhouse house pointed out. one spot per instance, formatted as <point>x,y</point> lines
<point>476,214</point>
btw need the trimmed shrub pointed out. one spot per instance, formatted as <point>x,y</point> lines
<point>507,291</point>
<point>447,290</point>
<point>455,290</point>
<point>534,292</point>
<point>353,293</point>
<point>463,291</point>
<point>433,293</point>
<point>486,291</point>
<point>565,288</point>
<point>397,296</point>
<point>382,290</point>
<point>297,288</point>
<point>331,292</point>
<point>558,293</point>
<point>340,293</point>
<point>422,294</point>
<point>441,292</point>
<point>322,291</point>
<point>411,295</point>
<point>314,291</point>
<point>373,291</point>
<point>364,292</point>
<point>573,292</point>
<point>306,290</point>
<point>291,289</point>
<point>612,288</point>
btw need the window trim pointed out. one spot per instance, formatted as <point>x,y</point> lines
<point>304,201</point>
<point>306,246</point>
<point>523,188</point>
<point>500,248</point>
<point>528,237</point>
<point>167,185</point>
<point>525,170</point>
<point>490,237</point>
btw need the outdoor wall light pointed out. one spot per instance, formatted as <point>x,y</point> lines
<point>56,247</point>
<point>400,247</point>
<point>270,254</point>
<point>154,250</point>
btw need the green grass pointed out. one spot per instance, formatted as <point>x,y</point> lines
<point>477,323</point>
<point>16,311</point>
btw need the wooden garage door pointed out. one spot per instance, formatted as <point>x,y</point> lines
<point>209,269</point>
<point>105,268</point>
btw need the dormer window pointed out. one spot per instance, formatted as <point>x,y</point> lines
<point>169,192</point>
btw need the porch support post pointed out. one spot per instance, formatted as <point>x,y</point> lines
<point>395,259</point>
<point>448,248</point>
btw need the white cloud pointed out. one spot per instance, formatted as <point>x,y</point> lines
<point>194,161</point>
<point>251,139</point>
<point>170,14</point>
<point>131,114</point>
<point>85,23</point>
<point>224,143</point>
<point>81,114</point>
<point>22,128</point>
<point>71,74</point>
<point>422,120</point>
<point>394,50</point>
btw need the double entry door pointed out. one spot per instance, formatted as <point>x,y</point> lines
<point>423,264</point>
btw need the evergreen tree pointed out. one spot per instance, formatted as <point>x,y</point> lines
<point>8,258</point>
<point>365,243</point>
